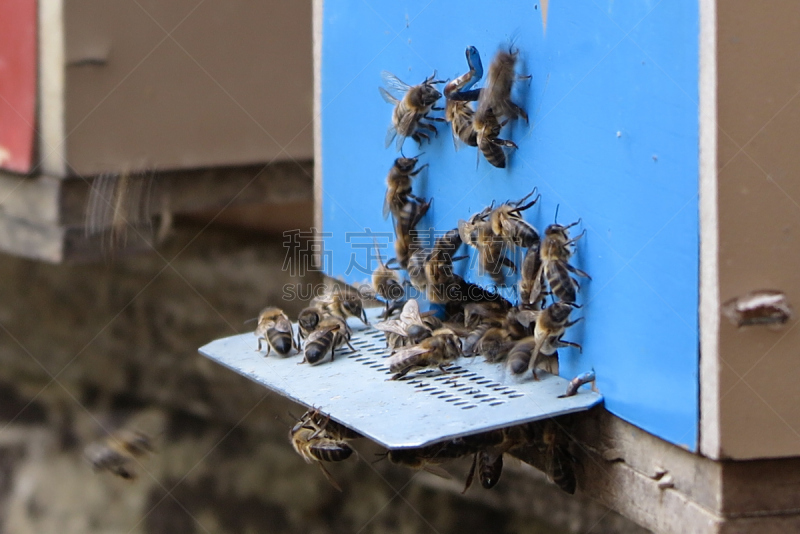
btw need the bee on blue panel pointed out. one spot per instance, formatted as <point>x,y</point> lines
<point>411,111</point>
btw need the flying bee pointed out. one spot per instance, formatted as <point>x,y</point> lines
<point>398,186</point>
<point>551,323</point>
<point>410,113</point>
<point>440,349</point>
<point>531,292</point>
<point>459,113</point>
<point>275,328</point>
<point>307,320</point>
<point>344,302</point>
<point>406,242</point>
<point>314,445</point>
<point>331,333</point>
<point>487,129</point>
<point>385,281</point>
<point>496,94</point>
<point>117,452</point>
<point>555,251</point>
<point>507,222</point>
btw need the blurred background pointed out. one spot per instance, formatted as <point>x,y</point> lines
<point>152,157</point>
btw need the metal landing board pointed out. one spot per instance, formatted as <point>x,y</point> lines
<point>424,408</point>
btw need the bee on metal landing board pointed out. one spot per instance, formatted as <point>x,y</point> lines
<point>459,113</point>
<point>344,302</point>
<point>410,328</point>
<point>117,452</point>
<point>551,323</point>
<point>398,186</point>
<point>315,445</point>
<point>332,333</point>
<point>275,328</point>
<point>507,222</point>
<point>410,113</point>
<point>307,320</point>
<point>440,349</point>
<point>555,252</point>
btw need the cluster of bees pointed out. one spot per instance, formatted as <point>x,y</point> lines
<point>318,439</point>
<point>475,320</point>
<point>479,127</point>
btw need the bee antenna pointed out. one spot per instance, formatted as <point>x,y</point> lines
<point>555,219</point>
<point>254,319</point>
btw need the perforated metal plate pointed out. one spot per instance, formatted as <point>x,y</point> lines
<point>423,408</point>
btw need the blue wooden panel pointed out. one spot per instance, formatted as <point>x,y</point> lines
<point>613,139</point>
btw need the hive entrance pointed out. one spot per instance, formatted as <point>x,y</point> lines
<point>422,408</point>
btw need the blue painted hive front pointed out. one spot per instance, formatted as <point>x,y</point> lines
<point>612,139</point>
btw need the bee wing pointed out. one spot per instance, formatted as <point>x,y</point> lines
<point>392,326</point>
<point>394,83</point>
<point>386,207</point>
<point>391,133</point>
<point>401,138</point>
<point>407,352</point>
<point>437,470</point>
<point>319,332</point>
<point>388,97</point>
<point>410,314</point>
<point>526,317</point>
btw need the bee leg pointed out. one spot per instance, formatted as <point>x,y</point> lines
<point>259,345</point>
<point>521,112</point>
<point>401,374</point>
<point>471,474</point>
<point>570,344</point>
<point>437,109</point>
<point>578,272</point>
<point>510,264</point>
<point>416,172</point>
<point>576,321</point>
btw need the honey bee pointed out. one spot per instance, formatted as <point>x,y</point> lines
<point>419,459</point>
<point>555,253</point>
<point>438,266</point>
<point>507,222</point>
<point>331,333</point>
<point>496,94</point>
<point>385,281</point>
<point>411,112</point>
<point>487,129</point>
<point>315,445</point>
<point>344,302</point>
<point>275,328</point>
<point>405,243</point>
<point>531,292</point>
<point>489,466</point>
<point>458,112</point>
<point>307,320</point>
<point>117,452</point>
<point>559,466</point>
<point>494,344</point>
<point>440,349</point>
<point>551,323</point>
<point>398,186</point>
<point>410,327</point>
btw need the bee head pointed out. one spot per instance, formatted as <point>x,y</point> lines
<point>560,311</point>
<point>406,165</point>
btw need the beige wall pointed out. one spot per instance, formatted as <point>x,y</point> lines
<point>759,221</point>
<point>232,84</point>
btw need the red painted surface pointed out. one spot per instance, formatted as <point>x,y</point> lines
<point>17,83</point>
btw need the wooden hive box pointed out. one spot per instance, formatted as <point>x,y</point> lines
<point>668,129</point>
